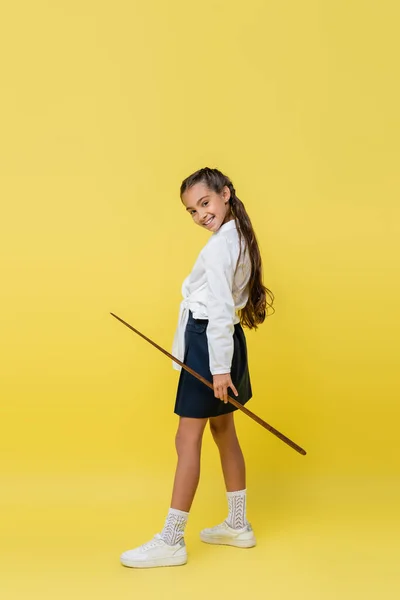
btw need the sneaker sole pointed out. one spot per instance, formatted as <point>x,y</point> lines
<point>225,541</point>
<point>158,562</point>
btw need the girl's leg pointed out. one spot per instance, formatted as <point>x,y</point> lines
<point>235,530</point>
<point>188,446</point>
<point>188,443</point>
<point>168,547</point>
<point>232,461</point>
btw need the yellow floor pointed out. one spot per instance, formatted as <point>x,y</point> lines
<point>62,534</point>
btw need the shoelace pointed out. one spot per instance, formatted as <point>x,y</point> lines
<point>224,525</point>
<point>152,543</point>
<point>217,527</point>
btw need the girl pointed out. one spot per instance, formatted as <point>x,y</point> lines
<point>223,292</point>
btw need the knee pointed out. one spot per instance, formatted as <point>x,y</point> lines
<point>186,441</point>
<point>221,429</point>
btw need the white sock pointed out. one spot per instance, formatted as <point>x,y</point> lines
<point>174,527</point>
<point>237,509</point>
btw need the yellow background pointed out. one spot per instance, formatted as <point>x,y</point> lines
<point>105,108</point>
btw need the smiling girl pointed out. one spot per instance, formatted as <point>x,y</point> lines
<point>224,292</point>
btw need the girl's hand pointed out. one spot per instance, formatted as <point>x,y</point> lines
<point>221,384</point>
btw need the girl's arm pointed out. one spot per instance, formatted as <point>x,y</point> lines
<point>219,269</point>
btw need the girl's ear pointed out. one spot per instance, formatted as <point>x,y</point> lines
<point>226,194</point>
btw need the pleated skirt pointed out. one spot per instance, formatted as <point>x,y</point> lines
<point>193,398</point>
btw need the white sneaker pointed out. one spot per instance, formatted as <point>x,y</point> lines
<point>226,535</point>
<point>155,553</point>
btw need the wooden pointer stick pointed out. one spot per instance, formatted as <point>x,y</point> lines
<point>248,412</point>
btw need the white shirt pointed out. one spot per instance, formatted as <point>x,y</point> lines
<point>215,292</point>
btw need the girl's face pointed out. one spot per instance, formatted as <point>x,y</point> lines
<point>208,209</point>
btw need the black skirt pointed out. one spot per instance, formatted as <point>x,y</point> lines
<point>193,398</point>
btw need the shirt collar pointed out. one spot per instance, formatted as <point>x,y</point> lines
<point>227,226</point>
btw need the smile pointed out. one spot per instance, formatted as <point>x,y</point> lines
<point>209,221</point>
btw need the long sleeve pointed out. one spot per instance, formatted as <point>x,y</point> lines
<point>219,267</point>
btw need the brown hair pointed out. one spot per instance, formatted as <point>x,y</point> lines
<point>256,309</point>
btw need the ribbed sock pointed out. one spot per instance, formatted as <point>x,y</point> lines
<point>174,527</point>
<point>237,509</point>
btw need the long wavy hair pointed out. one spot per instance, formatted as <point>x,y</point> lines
<point>260,297</point>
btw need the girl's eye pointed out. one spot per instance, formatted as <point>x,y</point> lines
<point>192,212</point>
<point>205,202</point>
